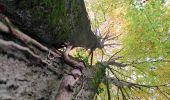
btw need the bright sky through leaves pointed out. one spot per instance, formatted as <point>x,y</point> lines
<point>144,45</point>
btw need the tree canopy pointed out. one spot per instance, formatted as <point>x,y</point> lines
<point>143,56</point>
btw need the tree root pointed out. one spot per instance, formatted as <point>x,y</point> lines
<point>10,45</point>
<point>21,36</point>
<point>66,87</point>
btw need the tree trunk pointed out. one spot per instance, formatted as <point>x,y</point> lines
<point>75,27</point>
<point>21,79</point>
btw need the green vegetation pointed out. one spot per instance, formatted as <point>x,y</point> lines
<point>146,46</point>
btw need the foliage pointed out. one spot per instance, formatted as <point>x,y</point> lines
<point>147,39</point>
<point>148,29</point>
<point>145,42</point>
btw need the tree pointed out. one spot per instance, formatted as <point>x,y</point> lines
<point>145,43</point>
<point>127,58</point>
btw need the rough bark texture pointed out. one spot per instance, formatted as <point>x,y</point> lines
<point>76,29</point>
<point>18,81</point>
<point>22,79</point>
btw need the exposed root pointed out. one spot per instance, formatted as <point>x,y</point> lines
<point>21,36</point>
<point>69,80</point>
<point>10,45</point>
<point>66,86</point>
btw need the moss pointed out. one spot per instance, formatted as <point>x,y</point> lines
<point>26,4</point>
<point>61,17</point>
<point>53,11</point>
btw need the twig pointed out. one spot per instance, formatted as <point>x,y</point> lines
<point>119,72</point>
<point>91,59</point>
<point>112,44</point>
<point>163,93</point>
<point>118,93</point>
<point>115,54</point>
<point>123,95</point>
<point>122,83</point>
<point>126,92</point>
<point>112,38</point>
<point>108,91</point>
<point>114,63</point>
<point>113,73</point>
<point>153,61</point>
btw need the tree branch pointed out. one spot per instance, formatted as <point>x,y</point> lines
<point>108,89</point>
<point>163,93</point>
<point>114,63</point>
<point>121,83</point>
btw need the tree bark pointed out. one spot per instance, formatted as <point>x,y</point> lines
<point>24,23</point>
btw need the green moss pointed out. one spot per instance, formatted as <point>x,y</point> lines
<point>59,16</point>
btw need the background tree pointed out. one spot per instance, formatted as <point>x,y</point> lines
<point>144,50</point>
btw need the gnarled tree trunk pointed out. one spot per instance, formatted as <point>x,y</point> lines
<point>28,72</point>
